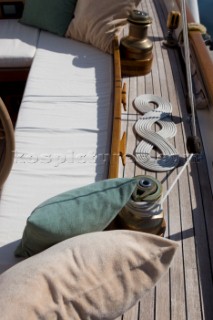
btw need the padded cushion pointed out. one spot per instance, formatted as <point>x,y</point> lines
<point>50,15</point>
<point>97,21</point>
<point>93,276</point>
<point>87,209</point>
<point>63,132</point>
<point>17,44</point>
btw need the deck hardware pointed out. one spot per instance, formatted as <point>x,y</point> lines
<point>136,48</point>
<point>173,22</point>
<point>145,183</point>
<point>143,212</point>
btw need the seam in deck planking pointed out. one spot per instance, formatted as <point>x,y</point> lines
<point>152,306</point>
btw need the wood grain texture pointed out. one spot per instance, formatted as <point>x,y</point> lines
<point>116,131</point>
<point>186,290</point>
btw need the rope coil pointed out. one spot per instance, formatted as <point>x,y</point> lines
<point>143,127</point>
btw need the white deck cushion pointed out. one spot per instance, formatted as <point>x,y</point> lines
<point>63,131</point>
<point>17,44</point>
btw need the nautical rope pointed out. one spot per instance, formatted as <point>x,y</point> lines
<point>193,26</point>
<point>144,209</point>
<point>176,179</point>
<point>143,127</point>
<point>152,208</point>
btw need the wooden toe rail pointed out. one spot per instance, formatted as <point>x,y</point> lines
<point>118,145</point>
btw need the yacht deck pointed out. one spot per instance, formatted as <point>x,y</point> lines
<point>186,291</point>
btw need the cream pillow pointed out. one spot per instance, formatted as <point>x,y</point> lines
<point>97,21</point>
<point>93,276</point>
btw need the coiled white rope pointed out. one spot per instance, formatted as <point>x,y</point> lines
<point>143,127</point>
<point>144,209</point>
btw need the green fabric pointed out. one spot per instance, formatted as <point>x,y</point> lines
<point>50,15</point>
<point>83,210</point>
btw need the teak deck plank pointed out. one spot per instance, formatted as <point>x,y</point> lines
<point>189,258</point>
<point>147,306</point>
<point>186,291</point>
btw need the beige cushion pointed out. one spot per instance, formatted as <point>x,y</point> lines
<point>97,21</point>
<point>93,276</point>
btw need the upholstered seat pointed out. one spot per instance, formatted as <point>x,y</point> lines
<point>63,131</point>
<point>17,44</point>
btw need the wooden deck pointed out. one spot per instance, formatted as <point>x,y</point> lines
<point>186,291</point>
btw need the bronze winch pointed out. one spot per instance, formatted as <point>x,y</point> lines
<point>143,212</point>
<point>136,48</point>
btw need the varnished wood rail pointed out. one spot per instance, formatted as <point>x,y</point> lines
<point>118,144</point>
